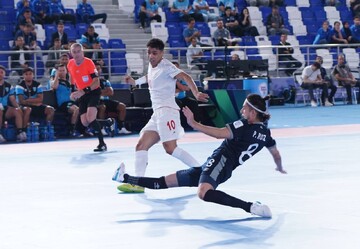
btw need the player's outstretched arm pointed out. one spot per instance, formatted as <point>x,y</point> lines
<point>277,159</point>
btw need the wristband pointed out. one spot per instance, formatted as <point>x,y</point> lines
<point>87,89</point>
<point>140,81</point>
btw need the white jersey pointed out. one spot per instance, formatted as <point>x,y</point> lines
<point>162,84</point>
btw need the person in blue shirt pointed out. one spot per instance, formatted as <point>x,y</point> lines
<point>30,93</point>
<point>323,35</point>
<point>355,30</point>
<point>41,10</point>
<point>9,109</point>
<point>191,32</point>
<point>63,89</point>
<point>149,11</point>
<point>223,4</point>
<point>86,13</point>
<point>57,12</point>
<point>242,140</point>
<point>336,34</point>
<point>89,39</point>
<point>185,11</point>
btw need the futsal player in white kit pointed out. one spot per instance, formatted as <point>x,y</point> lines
<point>164,125</point>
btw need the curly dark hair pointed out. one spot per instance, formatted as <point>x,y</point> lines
<point>156,43</point>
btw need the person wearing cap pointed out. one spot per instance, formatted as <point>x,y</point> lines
<point>242,140</point>
<point>10,109</point>
<point>311,79</point>
<point>84,76</point>
<point>30,93</point>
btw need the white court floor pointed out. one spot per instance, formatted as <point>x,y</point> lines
<point>59,195</point>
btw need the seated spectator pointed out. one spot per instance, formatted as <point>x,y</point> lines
<point>346,32</point>
<point>57,12</point>
<point>191,32</point>
<point>9,109</point>
<point>183,99</point>
<point>63,90</point>
<point>231,22</point>
<point>246,25</point>
<point>343,75</point>
<point>107,105</point>
<point>332,3</point>
<point>41,9</point>
<point>336,35</point>
<point>63,60</point>
<point>54,54</point>
<point>222,36</point>
<point>275,23</point>
<point>29,37</point>
<point>86,13</point>
<point>61,34</point>
<point>194,55</point>
<point>202,7</point>
<point>223,4</point>
<point>323,35</point>
<point>30,94</point>
<point>311,77</point>
<point>98,58</point>
<point>163,3</point>
<point>355,30</point>
<point>355,7</point>
<point>21,60</point>
<point>258,3</point>
<point>88,39</point>
<point>273,3</point>
<point>149,11</point>
<point>285,56</point>
<point>21,7</point>
<point>185,11</point>
<point>328,79</point>
<point>25,18</point>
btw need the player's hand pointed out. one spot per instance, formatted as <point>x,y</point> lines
<point>189,115</point>
<point>129,80</point>
<point>76,95</point>
<point>203,97</point>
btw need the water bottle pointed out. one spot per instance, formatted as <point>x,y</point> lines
<point>44,134</point>
<point>50,128</point>
<point>28,133</point>
<point>35,133</point>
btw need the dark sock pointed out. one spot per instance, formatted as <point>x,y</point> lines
<point>79,127</point>
<point>120,124</point>
<point>146,182</point>
<point>97,128</point>
<point>103,122</point>
<point>18,131</point>
<point>222,198</point>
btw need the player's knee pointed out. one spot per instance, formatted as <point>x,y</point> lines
<point>201,193</point>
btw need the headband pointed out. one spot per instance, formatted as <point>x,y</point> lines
<point>255,108</point>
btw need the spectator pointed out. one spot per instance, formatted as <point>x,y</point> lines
<point>63,60</point>
<point>355,30</point>
<point>107,105</point>
<point>275,22</point>
<point>63,90</point>
<point>149,11</point>
<point>183,99</point>
<point>311,77</point>
<point>194,55</point>
<point>246,25</point>
<point>222,35</point>
<point>25,18</point>
<point>328,79</point>
<point>346,32</point>
<point>86,13</point>
<point>54,54</point>
<point>323,35</point>
<point>41,9</point>
<point>88,39</point>
<point>231,23</point>
<point>285,56</point>
<point>273,3</point>
<point>202,7</point>
<point>223,4</point>
<point>29,93</point>
<point>185,11</point>
<point>21,7</point>
<point>61,34</point>
<point>57,12</point>
<point>21,60</point>
<point>343,75</point>
<point>29,37</point>
<point>336,35</point>
<point>235,57</point>
<point>191,32</point>
<point>258,3</point>
<point>355,7</point>
<point>9,109</point>
<point>98,58</point>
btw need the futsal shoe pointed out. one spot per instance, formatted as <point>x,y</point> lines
<point>130,188</point>
<point>119,173</point>
<point>111,124</point>
<point>100,148</point>
<point>260,209</point>
<point>124,131</point>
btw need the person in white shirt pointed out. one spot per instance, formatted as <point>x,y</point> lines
<point>312,79</point>
<point>194,55</point>
<point>164,125</point>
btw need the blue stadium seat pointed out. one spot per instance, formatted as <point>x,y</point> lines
<point>177,44</point>
<point>119,66</point>
<point>4,45</point>
<point>172,17</point>
<point>290,2</point>
<point>314,3</point>
<point>174,30</point>
<point>116,43</point>
<point>204,28</point>
<point>71,32</point>
<point>6,31</point>
<point>7,16</point>
<point>212,3</point>
<point>104,44</point>
<point>81,28</point>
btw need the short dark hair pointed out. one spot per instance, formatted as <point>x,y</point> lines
<point>227,8</point>
<point>156,43</point>
<point>28,69</point>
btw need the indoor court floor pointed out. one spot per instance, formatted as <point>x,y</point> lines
<point>59,195</point>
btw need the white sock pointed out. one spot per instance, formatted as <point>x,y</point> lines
<point>141,161</point>
<point>185,157</point>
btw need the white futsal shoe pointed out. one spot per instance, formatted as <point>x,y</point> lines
<point>119,173</point>
<point>260,209</point>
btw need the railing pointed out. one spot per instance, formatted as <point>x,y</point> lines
<point>120,63</point>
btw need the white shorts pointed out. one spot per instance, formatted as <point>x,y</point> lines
<point>166,122</point>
